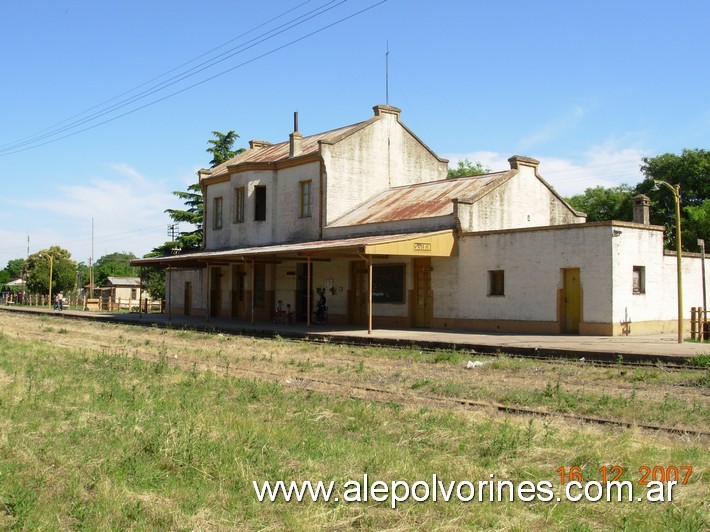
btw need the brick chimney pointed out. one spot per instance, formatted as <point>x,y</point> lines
<point>641,209</point>
<point>295,139</point>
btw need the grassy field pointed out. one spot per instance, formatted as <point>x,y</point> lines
<point>117,427</point>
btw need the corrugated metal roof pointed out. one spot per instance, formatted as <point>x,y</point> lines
<point>318,247</point>
<point>280,151</point>
<point>124,281</point>
<point>423,200</point>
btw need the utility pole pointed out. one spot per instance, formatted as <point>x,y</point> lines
<point>91,262</point>
<point>387,74</point>
<point>675,189</point>
<point>704,320</point>
<point>173,231</point>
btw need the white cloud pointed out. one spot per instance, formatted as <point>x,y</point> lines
<point>552,129</point>
<point>489,159</point>
<point>127,209</point>
<point>605,165</point>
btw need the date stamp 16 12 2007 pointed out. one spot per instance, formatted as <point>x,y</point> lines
<point>678,474</point>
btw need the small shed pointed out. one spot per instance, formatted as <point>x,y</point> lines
<point>120,293</point>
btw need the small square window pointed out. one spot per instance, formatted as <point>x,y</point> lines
<point>639,280</point>
<point>496,282</point>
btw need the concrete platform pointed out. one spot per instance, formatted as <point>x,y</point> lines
<point>659,347</point>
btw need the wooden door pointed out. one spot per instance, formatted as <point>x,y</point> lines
<point>358,301</point>
<point>187,299</point>
<point>571,301</point>
<point>423,297</point>
<point>215,291</point>
<point>302,291</point>
<point>238,275</point>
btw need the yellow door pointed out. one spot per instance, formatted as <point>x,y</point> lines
<point>422,292</point>
<point>571,299</point>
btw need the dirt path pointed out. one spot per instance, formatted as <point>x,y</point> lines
<point>645,396</point>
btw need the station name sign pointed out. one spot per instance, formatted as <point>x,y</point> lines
<point>422,246</point>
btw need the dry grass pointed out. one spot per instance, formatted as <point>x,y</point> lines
<point>107,426</point>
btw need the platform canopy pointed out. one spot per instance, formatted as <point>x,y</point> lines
<point>431,244</point>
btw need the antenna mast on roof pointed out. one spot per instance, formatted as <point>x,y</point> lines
<point>387,74</point>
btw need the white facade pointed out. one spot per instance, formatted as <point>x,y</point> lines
<point>501,252</point>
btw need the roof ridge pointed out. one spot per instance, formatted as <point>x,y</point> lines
<point>449,180</point>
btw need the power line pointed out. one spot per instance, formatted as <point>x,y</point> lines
<point>50,128</point>
<point>18,147</point>
<point>35,141</point>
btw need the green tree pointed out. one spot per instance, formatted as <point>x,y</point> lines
<point>699,217</point>
<point>82,275</point>
<point>114,265</point>
<point>601,203</point>
<point>467,168</point>
<point>193,214</point>
<point>63,271</point>
<point>690,170</point>
<point>221,148</point>
<point>15,268</point>
<point>4,277</point>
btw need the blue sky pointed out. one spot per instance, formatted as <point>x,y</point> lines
<point>588,88</point>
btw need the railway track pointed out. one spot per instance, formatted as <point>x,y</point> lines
<point>384,395</point>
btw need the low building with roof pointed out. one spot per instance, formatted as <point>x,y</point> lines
<point>365,214</point>
<point>120,293</point>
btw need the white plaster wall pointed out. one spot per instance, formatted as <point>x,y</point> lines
<point>285,284</point>
<point>640,247</point>
<point>176,298</point>
<point>217,238</point>
<point>288,225</point>
<point>379,156</point>
<point>532,261</point>
<point>404,226</point>
<point>339,272</point>
<point>283,222</point>
<point>692,280</point>
<point>692,284</point>
<point>523,201</point>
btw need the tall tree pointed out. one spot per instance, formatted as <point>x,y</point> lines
<point>13,270</point>
<point>63,271</point>
<point>601,203</point>
<point>466,168</point>
<point>690,170</point>
<point>15,267</point>
<point>114,265</point>
<point>193,214</point>
<point>221,148</point>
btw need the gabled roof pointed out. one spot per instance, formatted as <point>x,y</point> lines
<point>123,281</point>
<point>280,152</point>
<point>423,200</point>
